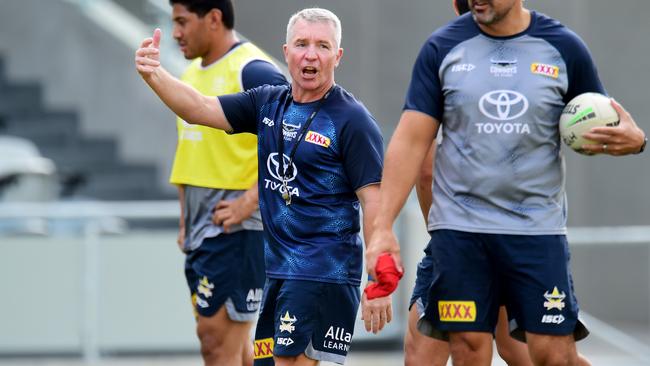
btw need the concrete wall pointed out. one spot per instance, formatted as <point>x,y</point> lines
<point>83,68</point>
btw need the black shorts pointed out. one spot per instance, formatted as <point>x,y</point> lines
<point>227,269</point>
<point>474,273</point>
<point>314,318</point>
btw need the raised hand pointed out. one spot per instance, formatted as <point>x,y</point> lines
<point>147,57</point>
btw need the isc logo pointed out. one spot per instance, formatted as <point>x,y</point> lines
<point>463,67</point>
<point>553,319</point>
<point>285,341</point>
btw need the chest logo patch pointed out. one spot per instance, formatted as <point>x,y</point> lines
<point>503,105</point>
<point>318,139</point>
<point>546,70</point>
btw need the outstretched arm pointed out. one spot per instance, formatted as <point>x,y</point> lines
<point>185,101</point>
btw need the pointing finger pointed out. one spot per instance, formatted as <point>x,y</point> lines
<point>156,38</point>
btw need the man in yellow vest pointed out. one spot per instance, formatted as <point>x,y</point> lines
<point>216,174</point>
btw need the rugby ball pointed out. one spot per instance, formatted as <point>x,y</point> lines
<point>584,112</point>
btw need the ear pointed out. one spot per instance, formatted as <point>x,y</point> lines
<point>339,55</point>
<point>214,18</point>
<point>455,5</point>
<point>285,50</point>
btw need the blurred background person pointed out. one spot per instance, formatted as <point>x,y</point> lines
<point>459,229</point>
<point>420,349</point>
<point>220,228</point>
<point>423,350</point>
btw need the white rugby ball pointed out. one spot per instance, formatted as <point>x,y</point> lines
<point>584,112</point>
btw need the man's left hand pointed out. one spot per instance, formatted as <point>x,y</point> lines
<point>624,139</point>
<point>376,313</point>
<point>234,212</point>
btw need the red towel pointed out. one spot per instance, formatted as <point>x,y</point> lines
<point>387,278</point>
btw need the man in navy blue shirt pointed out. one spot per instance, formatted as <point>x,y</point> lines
<point>320,158</point>
<point>496,80</point>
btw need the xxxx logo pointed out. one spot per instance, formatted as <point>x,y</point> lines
<point>546,70</point>
<point>263,348</point>
<point>457,311</point>
<point>318,139</point>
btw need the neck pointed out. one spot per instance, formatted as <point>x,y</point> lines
<point>219,47</point>
<point>515,22</point>
<point>306,96</point>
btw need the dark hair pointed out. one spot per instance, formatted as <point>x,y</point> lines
<point>202,7</point>
<point>462,6</point>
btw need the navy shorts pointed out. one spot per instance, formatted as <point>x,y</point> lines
<point>423,279</point>
<point>474,273</point>
<point>314,318</point>
<point>227,270</point>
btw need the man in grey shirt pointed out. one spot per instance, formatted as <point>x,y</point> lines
<point>496,80</point>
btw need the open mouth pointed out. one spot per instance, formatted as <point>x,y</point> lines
<point>309,71</point>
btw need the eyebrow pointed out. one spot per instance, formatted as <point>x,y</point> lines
<point>305,39</point>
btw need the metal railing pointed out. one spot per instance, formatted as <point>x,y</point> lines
<point>91,216</point>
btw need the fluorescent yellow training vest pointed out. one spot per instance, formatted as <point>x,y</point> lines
<point>207,157</point>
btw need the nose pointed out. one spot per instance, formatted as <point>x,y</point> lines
<point>311,53</point>
<point>176,32</point>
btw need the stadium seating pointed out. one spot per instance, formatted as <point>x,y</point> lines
<point>88,167</point>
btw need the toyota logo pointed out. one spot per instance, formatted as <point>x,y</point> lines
<point>503,105</point>
<point>273,166</point>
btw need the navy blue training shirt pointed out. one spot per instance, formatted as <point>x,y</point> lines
<point>316,237</point>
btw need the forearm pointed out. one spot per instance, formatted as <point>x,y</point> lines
<point>370,209</point>
<point>424,180</point>
<point>186,102</point>
<point>369,198</point>
<point>404,156</point>
<point>181,201</point>
<point>251,196</point>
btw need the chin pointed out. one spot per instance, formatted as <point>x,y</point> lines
<point>310,84</point>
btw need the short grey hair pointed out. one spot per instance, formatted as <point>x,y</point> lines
<point>316,15</point>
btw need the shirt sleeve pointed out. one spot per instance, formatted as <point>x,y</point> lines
<point>260,72</point>
<point>241,110</point>
<point>363,151</point>
<point>424,93</point>
<point>581,70</point>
